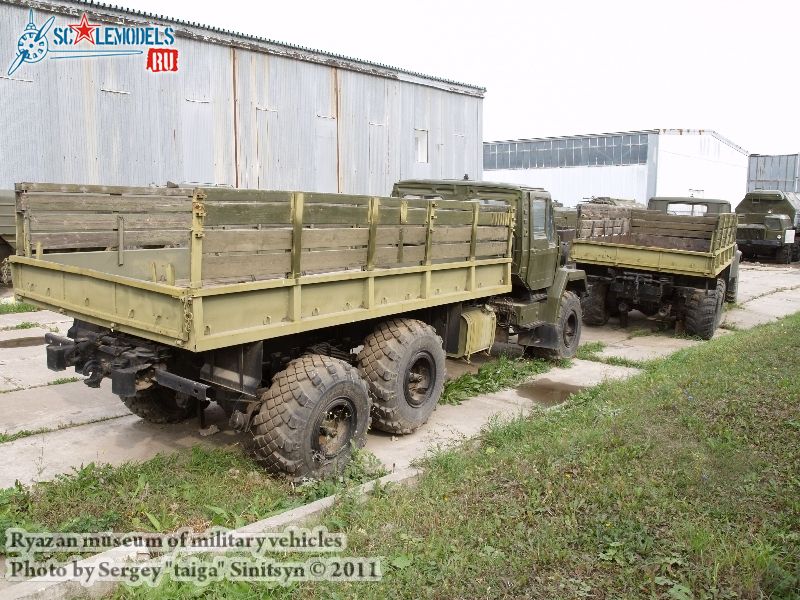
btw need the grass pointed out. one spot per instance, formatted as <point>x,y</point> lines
<point>682,482</point>
<point>16,307</point>
<point>62,380</point>
<point>25,325</point>
<point>197,488</point>
<point>505,372</point>
<point>591,351</point>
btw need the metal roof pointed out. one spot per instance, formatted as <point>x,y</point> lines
<point>122,15</point>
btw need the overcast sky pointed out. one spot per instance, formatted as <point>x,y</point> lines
<point>560,68</point>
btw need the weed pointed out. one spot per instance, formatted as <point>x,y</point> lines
<point>16,307</point>
<point>499,374</point>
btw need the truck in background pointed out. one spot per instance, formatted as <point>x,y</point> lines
<point>678,268</point>
<point>301,314</point>
<point>768,225</point>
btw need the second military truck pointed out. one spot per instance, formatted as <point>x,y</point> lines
<point>301,314</point>
<point>768,225</point>
<point>676,261</point>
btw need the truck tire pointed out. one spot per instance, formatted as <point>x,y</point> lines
<point>568,328</point>
<point>158,404</point>
<point>784,255</point>
<point>593,305</point>
<point>314,412</point>
<point>404,364</point>
<point>704,311</point>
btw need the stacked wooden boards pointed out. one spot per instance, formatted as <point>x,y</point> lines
<point>648,228</point>
<point>58,218</point>
<point>253,234</point>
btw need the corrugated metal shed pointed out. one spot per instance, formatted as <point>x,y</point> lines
<point>241,111</point>
<point>774,172</point>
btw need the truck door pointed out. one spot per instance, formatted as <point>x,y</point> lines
<point>543,244</point>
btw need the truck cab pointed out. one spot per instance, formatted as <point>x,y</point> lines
<point>768,222</point>
<point>695,207</point>
<point>543,288</point>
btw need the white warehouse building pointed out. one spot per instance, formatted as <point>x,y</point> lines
<point>636,165</point>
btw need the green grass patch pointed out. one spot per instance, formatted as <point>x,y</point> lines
<point>62,380</point>
<point>591,351</point>
<point>494,376</point>
<point>682,482</point>
<point>16,307</point>
<point>25,325</point>
<point>197,488</point>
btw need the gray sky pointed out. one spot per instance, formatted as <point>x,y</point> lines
<point>559,68</point>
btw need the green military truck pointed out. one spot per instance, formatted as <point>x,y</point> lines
<point>677,268</point>
<point>768,225</point>
<point>301,314</point>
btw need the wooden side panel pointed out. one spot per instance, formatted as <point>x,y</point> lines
<point>79,218</point>
<point>336,232</point>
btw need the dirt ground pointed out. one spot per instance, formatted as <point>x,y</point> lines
<point>80,425</point>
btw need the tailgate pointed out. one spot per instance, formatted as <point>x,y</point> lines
<point>106,255</point>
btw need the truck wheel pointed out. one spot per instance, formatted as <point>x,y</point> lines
<point>404,364</point>
<point>158,404</point>
<point>568,329</point>
<point>704,311</point>
<point>784,255</point>
<point>593,305</point>
<point>314,411</point>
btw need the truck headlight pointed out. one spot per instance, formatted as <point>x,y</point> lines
<point>779,236</point>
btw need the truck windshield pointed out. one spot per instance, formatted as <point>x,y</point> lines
<point>774,222</point>
<point>683,208</point>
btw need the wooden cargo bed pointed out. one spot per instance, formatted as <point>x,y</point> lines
<point>211,267</point>
<point>651,240</point>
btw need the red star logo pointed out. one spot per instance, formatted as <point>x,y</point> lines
<point>84,30</point>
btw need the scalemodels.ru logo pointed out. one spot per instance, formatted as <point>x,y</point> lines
<point>87,40</point>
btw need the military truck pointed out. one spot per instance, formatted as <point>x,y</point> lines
<point>300,314</point>
<point>768,225</point>
<point>677,268</point>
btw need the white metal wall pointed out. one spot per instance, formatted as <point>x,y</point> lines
<point>229,116</point>
<point>700,163</point>
<point>571,185</point>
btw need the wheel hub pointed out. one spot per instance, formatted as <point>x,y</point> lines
<point>335,428</point>
<point>420,379</point>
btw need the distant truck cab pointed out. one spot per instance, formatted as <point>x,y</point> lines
<point>692,207</point>
<point>768,222</point>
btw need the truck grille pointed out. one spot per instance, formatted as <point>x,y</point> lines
<point>744,232</point>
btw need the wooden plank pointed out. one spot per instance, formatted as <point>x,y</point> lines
<point>411,235</point>
<point>336,214</point>
<point>252,266</point>
<point>453,217</point>
<point>333,259</point>
<point>486,249</point>
<point>659,216</point>
<point>460,250</point>
<point>108,239</point>
<point>119,190</point>
<point>666,242</point>
<point>703,235</point>
<point>247,240</point>
<point>103,203</point>
<point>388,256</point>
<point>331,198</point>
<point>247,213</point>
<point>93,221</point>
<point>238,195</point>
<point>684,226</point>
<point>335,237</point>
